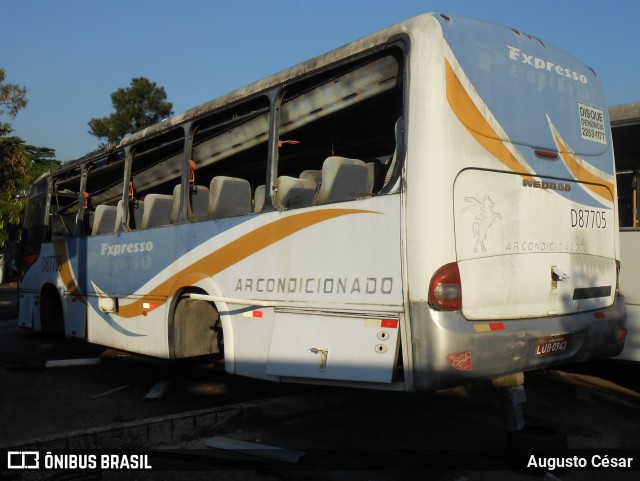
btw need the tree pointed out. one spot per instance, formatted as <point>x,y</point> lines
<point>20,163</point>
<point>12,96</point>
<point>139,106</point>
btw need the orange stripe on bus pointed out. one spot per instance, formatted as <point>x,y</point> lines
<point>240,249</point>
<point>604,190</point>
<point>68,279</point>
<point>477,125</point>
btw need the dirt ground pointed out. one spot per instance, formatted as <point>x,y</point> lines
<point>596,405</point>
<point>38,401</point>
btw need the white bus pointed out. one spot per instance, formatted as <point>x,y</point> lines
<point>428,206</point>
<point>625,126</point>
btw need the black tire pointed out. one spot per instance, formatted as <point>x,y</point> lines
<point>196,329</point>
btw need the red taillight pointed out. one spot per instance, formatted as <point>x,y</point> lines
<point>445,289</point>
<point>547,154</point>
<point>621,335</point>
<point>25,263</point>
<point>28,260</point>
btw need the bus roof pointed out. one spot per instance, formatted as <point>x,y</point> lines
<point>257,88</point>
<point>625,127</point>
<point>625,114</point>
<point>260,87</point>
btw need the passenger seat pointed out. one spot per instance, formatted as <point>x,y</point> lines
<point>315,175</point>
<point>136,209</point>
<point>157,210</point>
<point>228,197</point>
<point>343,179</point>
<point>198,203</point>
<point>259,198</point>
<point>293,193</point>
<point>199,198</point>
<point>104,219</point>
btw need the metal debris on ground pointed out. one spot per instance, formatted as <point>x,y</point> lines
<point>254,449</point>
<point>73,362</point>
<point>158,390</point>
<point>111,391</point>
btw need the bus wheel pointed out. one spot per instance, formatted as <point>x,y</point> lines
<point>197,330</point>
<point>51,315</point>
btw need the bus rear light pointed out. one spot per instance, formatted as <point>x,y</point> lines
<point>621,335</point>
<point>25,264</point>
<point>27,261</point>
<point>547,154</point>
<point>445,289</point>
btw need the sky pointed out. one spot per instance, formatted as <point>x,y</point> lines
<point>71,55</point>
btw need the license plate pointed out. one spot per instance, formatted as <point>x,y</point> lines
<point>548,346</point>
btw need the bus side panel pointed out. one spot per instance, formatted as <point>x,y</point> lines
<point>304,256</point>
<point>141,271</point>
<point>630,286</point>
<point>335,294</point>
<point>25,315</point>
<point>46,271</point>
<point>145,334</point>
<point>335,256</point>
<point>131,268</point>
<point>334,347</point>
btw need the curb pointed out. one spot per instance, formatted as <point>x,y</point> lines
<point>177,428</point>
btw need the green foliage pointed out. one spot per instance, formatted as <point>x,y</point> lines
<point>20,164</point>
<point>139,106</point>
<point>12,97</point>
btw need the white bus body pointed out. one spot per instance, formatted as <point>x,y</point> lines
<point>483,243</point>
<point>625,125</point>
<point>630,286</point>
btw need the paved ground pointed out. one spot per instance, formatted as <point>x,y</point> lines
<point>8,301</point>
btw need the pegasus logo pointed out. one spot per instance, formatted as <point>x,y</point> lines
<point>484,217</point>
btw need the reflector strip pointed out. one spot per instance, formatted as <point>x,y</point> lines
<point>547,154</point>
<point>252,314</point>
<point>492,326</point>
<point>388,323</point>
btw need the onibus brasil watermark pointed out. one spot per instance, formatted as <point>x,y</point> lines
<point>34,460</point>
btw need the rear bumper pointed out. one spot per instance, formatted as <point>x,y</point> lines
<point>449,350</point>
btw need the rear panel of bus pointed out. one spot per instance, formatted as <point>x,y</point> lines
<point>525,204</point>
